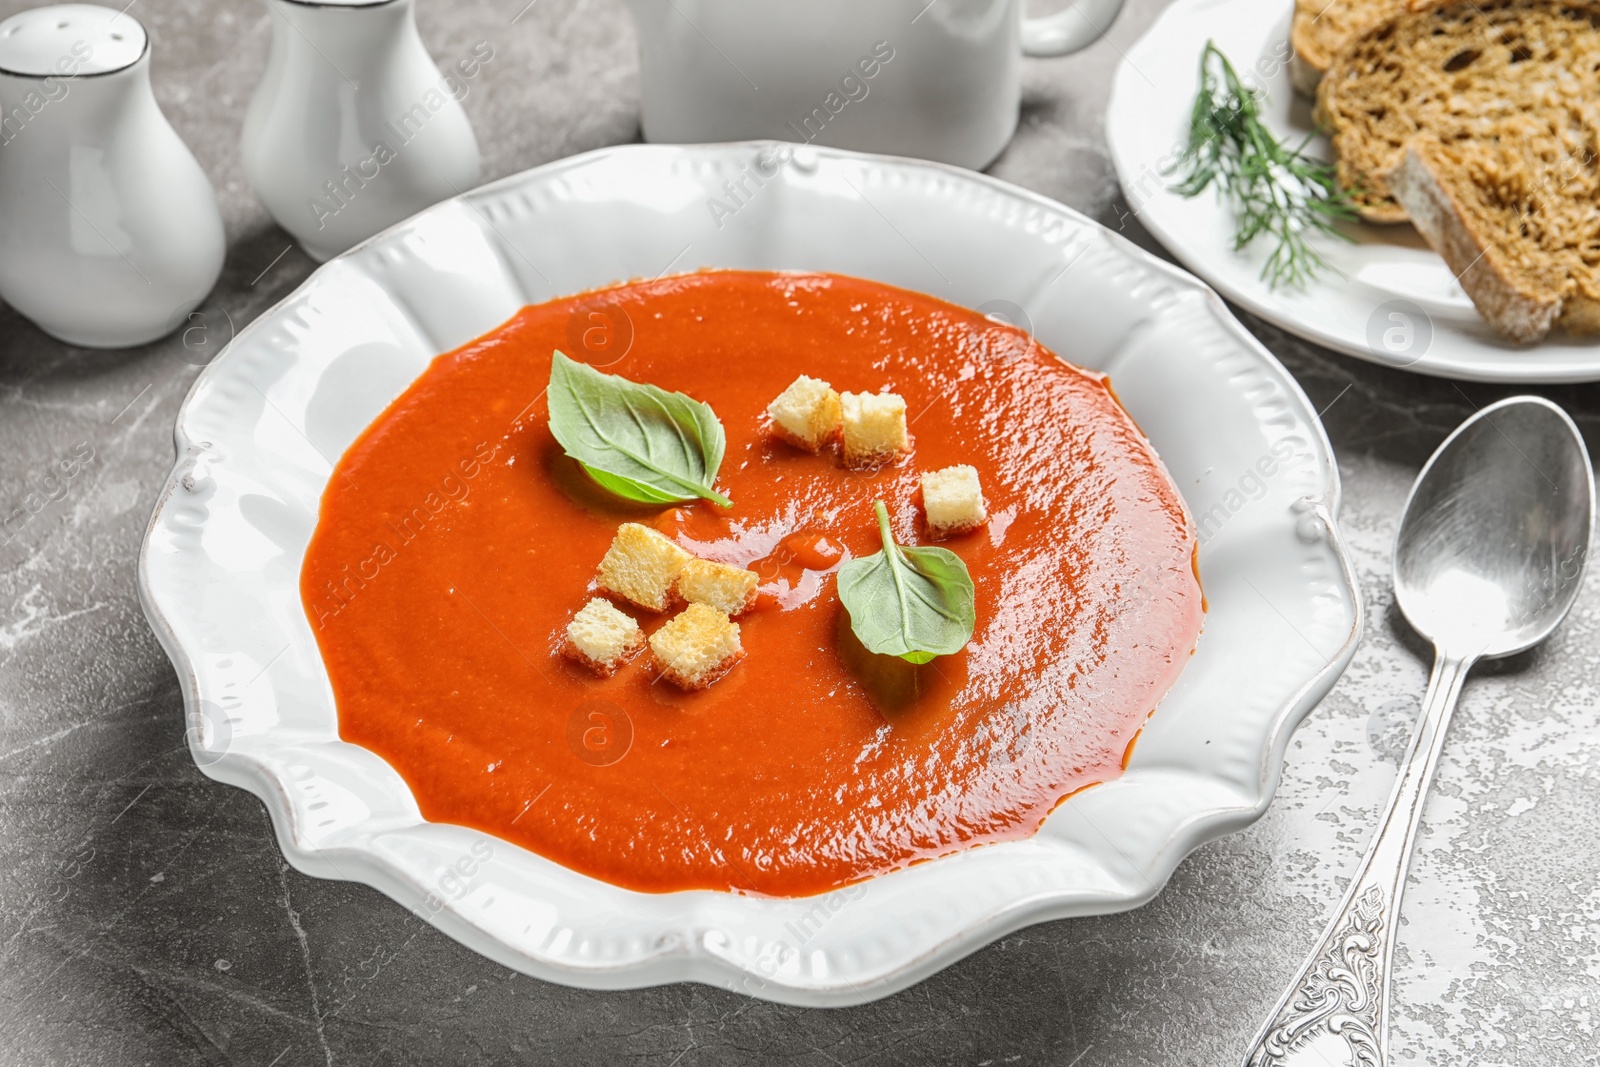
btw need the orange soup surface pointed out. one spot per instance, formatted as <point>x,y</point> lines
<point>456,540</point>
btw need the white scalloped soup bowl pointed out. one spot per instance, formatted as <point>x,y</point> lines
<point>264,423</point>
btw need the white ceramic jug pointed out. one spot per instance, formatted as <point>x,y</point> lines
<point>938,79</point>
<point>352,128</point>
<point>109,229</point>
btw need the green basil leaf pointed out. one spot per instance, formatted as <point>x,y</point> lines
<point>637,441</point>
<point>915,603</point>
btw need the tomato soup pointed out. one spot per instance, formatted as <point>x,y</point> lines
<point>456,541</point>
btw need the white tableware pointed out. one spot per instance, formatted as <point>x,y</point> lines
<point>1389,299</point>
<point>219,572</point>
<point>109,229</point>
<point>939,80</point>
<point>353,128</point>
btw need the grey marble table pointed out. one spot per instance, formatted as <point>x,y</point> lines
<point>147,916</point>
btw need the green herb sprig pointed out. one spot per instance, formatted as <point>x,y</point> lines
<point>1272,189</point>
<point>637,441</point>
<point>915,603</point>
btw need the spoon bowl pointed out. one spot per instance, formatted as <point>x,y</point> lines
<point>1495,535</point>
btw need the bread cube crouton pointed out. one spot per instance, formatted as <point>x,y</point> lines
<point>729,589</point>
<point>806,414</point>
<point>952,501</point>
<point>602,638</point>
<point>697,646</point>
<point>641,565</point>
<point>874,428</point>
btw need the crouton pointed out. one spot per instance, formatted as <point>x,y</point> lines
<point>602,638</point>
<point>952,501</point>
<point>697,646</point>
<point>874,428</point>
<point>640,566</point>
<point>806,414</point>
<point>729,589</point>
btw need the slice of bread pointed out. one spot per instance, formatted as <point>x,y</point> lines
<point>1482,120</point>
<point>1462,72</point>
<point>1322,27</point>
<point>1524,248</point>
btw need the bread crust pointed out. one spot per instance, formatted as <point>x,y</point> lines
<point>1368,186</point>
<point>1514,310</point>
<point>794,440</point>
<point>1304,72</point>
<point>1321,28</point>
<point>694,683</point>
<point>604,669</point>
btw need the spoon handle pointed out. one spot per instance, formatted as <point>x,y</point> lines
<point>1342,991</point>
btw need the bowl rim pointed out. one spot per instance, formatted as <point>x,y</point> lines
<point>701,959</point>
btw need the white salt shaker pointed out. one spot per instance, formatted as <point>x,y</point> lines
<point>109,229</point>
<point>352,127</point>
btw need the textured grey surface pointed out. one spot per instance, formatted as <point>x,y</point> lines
<point>146,915</point>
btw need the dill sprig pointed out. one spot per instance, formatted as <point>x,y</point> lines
<point>1273,190</point>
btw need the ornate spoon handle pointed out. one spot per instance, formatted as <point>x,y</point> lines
<point>1341,995</point>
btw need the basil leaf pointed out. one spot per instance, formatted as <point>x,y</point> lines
<point>637,441</point>
<point>915,603</point>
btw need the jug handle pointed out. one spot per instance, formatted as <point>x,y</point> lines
<point>1078,25</point>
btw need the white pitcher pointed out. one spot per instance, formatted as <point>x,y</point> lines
<point>938,79</point>
<point>353,128</point>
<point>109,229</point>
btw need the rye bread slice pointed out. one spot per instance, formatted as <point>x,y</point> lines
<point>1462,72</point>
<point>1321,28</point>
<point>1520,235</point>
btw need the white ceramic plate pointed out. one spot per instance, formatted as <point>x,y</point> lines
<point>258,433</point>
<point>1390,299</point>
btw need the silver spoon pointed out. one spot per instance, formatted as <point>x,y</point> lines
<point>1490,556</point>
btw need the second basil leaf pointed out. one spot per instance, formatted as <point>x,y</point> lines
<point>915,603</point>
